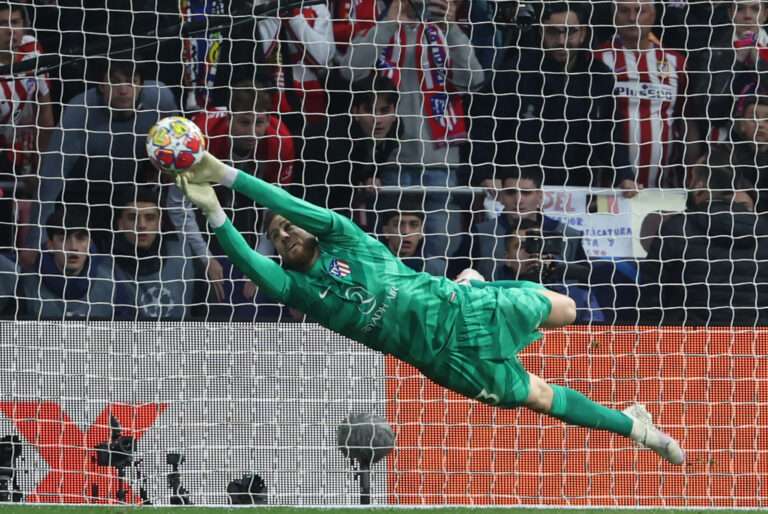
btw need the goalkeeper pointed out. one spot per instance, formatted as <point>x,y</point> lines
<point>464,336</point>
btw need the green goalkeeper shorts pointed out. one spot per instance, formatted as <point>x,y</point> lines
<point>480,362</point>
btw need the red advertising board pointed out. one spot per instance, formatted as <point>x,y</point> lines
<point>709,388</point>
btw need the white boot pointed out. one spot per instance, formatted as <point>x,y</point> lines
<point>646,434</point>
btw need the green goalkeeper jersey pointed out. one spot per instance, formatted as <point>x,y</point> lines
<point>360,290</point>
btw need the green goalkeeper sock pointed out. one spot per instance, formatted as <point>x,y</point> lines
<point>573,407</point>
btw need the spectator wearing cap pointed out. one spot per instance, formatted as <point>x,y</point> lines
<point>403,234</point>
<point>72,282</point>
<point>522,197</point>
<point>154,266</point>
<point>709,265</point>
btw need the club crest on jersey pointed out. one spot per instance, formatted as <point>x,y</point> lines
<point>339,268</point>
<point>666,70</point>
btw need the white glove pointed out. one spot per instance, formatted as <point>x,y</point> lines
<point>209,170</point>
<point>202,195</point>
<point>467,275</point>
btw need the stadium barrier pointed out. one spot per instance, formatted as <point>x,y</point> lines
<point>267,399</point>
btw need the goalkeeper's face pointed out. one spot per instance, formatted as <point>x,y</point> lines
<point>296,246</point>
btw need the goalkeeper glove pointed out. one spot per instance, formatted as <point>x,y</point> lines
<point>204,197</point>
<point>209,170</point>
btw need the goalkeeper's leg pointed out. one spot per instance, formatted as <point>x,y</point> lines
<point>573,407</point>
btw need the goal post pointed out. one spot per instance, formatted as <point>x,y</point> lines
<point>612,151</point>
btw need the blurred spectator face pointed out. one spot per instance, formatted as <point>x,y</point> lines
<point>518,260</point>
<point>11,28</point>
<point>634,20</point>
<point>521,196</point>
<point>753,126</point>
<point>120,92</point>
<point>140,224</point>
<point>70,250</point>
<point>561,34</point>
<point>748,17</point>
<point>246,128</point>
<point>404,234</point>
<point>376,120</point>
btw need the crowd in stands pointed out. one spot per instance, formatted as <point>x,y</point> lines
<point>434,124</point>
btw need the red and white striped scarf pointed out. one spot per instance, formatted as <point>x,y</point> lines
<point>443,107</point>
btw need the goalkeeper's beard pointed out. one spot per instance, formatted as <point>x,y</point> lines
<point>301,259</point>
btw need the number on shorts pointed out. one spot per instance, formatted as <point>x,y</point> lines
<point>487,397</point>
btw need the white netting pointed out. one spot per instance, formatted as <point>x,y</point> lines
<point>612,151</point>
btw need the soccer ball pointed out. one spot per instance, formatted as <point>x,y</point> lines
<point>175,144</point>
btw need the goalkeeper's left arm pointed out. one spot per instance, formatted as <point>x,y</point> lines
<point>262,270</point>
<point>315,220</point>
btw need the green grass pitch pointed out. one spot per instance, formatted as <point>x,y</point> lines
<point>30,509</point>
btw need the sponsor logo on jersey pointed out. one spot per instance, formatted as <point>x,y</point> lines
<point>339,268</point>
<point>644,91</point>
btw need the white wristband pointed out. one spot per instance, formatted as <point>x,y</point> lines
<point>217,218</point>
<point>229,176</point>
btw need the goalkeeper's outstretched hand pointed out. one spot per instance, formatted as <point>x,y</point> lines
<point>201,195</point>
<point>209,170</point>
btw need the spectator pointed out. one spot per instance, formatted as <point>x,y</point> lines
<point>72,282</point>
<point>26,117</point>
<point>252,140</point>
<point>153,266</point>
<point>750,145</point>
<point>200,55</point>
<point>347,150</point>
<point>709,265</point>
<point>98,150</point>
<point>350,18</point>
<point>526,258</point>
<point>403,234</point>
<point>97,147</point>
<point>431,63</point>
<point>522,198</point>
<point>300,46</point>
<point>9,275</point>
<point>26,113</point>
<point>728,65</point>
<point>552,108</point>
<point>649,93</point>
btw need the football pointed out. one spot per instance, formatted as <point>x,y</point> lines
<point>175,144</point>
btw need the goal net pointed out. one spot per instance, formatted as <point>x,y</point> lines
<point>610,151</point>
